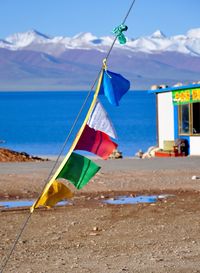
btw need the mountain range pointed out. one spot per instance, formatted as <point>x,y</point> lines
<point>35,61</point>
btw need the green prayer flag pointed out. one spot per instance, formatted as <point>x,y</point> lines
<point>78,170</point>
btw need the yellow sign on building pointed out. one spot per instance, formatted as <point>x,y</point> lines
<point>186,96</point>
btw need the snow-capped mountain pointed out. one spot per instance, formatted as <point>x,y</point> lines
<point>25,38</point>
<point>35,61</point>
<point>156,42</point>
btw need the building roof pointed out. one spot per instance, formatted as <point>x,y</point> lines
<point>173,88</point>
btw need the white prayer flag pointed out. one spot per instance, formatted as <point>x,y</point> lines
<point>99,120</point>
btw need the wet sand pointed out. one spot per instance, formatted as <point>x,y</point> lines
<point>91,236</point>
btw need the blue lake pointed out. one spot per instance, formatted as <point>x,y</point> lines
<point>39,122</point>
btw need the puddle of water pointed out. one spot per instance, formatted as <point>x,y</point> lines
<point>121,200</point>
<point>23,203</point>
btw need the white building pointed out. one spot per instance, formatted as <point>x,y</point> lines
<point>178,116</point>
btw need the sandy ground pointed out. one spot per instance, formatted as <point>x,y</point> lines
<point>91,236</point>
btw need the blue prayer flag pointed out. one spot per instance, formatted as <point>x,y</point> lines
<point>113,86</point>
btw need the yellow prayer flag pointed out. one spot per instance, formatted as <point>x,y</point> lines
<point>52,194</point>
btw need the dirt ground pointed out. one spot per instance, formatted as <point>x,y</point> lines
<point>91,236</point>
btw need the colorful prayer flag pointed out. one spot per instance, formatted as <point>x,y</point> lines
<point>78,170</point>
<point>114,86</point>
<point>99,120</point>
<point>96,142</point>
<point>53,194</point>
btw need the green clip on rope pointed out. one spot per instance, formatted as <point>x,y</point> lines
<point>118,31</point>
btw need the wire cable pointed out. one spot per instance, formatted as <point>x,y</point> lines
<point>3,266</point>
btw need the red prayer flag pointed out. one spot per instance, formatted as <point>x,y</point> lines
<point>96,142</point>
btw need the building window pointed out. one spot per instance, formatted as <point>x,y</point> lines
<point>189,119</point>
<point>196,117</point>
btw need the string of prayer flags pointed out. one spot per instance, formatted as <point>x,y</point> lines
<point>74,167</point>
<point>94,136</point>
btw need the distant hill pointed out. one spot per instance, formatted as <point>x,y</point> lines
<point>35,61</point>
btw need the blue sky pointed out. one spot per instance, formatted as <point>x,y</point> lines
<point>70,17</point>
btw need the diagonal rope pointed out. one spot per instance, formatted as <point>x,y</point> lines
<point>123,22</point>
<point>5,261</point>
